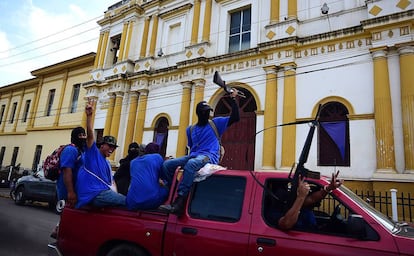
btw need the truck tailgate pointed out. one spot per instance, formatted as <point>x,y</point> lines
<point>87,231</point>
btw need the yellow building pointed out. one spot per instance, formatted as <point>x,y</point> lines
<point>37,115</point>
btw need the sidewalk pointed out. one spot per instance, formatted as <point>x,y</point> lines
<point>5,192</point>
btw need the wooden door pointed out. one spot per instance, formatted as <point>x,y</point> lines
<point>239,139</point>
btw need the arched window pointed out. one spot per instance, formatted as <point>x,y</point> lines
<point>333,139</point>
<point>161,134</point>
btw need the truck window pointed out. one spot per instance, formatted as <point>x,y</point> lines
<point>218,198</point>
<point>328,216</point>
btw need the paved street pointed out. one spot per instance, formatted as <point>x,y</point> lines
<point>24,230</point>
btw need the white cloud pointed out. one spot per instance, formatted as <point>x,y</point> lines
<point>57,45</point>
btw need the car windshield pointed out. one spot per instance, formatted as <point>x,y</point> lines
<point>380,217</point>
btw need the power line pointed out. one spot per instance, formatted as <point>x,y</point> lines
<point>50,35</point>
<point>49,53</point>
<point>54,42</point>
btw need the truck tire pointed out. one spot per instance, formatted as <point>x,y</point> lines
<point>126,250</point>
<point>19,196</point>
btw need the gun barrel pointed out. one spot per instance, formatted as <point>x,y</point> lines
<point>217,79</point>
<point>306,148</point>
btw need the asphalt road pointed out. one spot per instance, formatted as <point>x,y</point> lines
<point>25,230</point>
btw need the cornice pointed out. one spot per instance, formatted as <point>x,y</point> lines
<point>385,20</point>
<point>350,117</point>
<point>85,60</point>
<point>12,133</point>
<point>346,32</point>
<point>228,57</point>
<point>176,11</point>
<point>19,85</point>
<point>280,43</point>
<point>120,13</point>
<point>52,128</point>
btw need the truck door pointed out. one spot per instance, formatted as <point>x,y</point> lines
<point>330,236</point>
<point>215,222</point>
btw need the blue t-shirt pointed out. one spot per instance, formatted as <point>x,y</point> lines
<point>145,191</point>
<point>306,218</point>
<point>88,186</point>
<point>72,158</point>
<point>202,140</point>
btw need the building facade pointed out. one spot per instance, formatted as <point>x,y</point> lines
<point>156,60</point>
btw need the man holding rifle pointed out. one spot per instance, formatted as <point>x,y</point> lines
<point>300,214</point>
<point>204,148</point>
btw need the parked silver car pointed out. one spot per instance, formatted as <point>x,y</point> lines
<point>36,187</point>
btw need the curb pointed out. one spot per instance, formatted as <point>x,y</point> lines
<point>5,193</point>
<point>4,196</point>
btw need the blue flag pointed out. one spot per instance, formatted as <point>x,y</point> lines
<point>336,130</point>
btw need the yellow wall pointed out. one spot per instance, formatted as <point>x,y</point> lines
<point>383,195</point>
<point>49,83</point>
<point>14,141</point>
<point>29,95</point>
<point>15,99</point>
<point>76,117</point>
<point>405,187</point>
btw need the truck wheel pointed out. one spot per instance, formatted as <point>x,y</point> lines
<point>126,250</point>
<point>19,198</point>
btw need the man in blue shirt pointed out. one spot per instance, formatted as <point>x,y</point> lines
<point>71,159</point>
<point>95,184</point>
<point>300,213</point>
<point>145,191</point>
<point>204,148</point>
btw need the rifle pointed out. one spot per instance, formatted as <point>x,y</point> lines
<point>301,171</point>
<point>217,80</point>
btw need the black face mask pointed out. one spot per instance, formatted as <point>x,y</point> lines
<point>79,142</point>
<point>203,117</point>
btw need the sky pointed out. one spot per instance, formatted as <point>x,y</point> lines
<point>38,33</point>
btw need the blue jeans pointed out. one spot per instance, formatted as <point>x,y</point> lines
<point>190,165</point>
<point>109,198</point>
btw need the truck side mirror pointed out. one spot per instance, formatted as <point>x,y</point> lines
<point>358,228</point>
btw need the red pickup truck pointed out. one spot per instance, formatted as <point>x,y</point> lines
<point>228,214</point>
